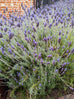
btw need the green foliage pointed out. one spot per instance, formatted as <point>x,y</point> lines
<point>35,60</point>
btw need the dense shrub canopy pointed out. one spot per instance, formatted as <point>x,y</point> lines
<point>37,49</point>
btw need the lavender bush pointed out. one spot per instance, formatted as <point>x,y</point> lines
<point>37,49</point>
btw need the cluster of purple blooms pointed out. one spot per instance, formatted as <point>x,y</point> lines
<point>36,41</point>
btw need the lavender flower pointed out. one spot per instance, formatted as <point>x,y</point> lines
<point>21,67</point>
<point>65,69</point>
<point>0,70</point>
<point>10,51</point>
<point>62,34</point>
<point>49,56</point>
<point>48,63</point>
<point>1,23</point>
<point>45,24</point>
<point>0,15</point>
<point>33,35</point>
<point>50,25</point>
<point>22,47</point>
<point>35,55</point>
<point>6,9</point>
<point>34,43</point>
<point>67,51</point>
<point>23,73</point>
<point>29,32</point>
<point>13,54</point>
<point>34,69</point>
<point>53,62</point>
<point>56,71</point>
<point>40,85</point>
<point>63,47</point>
<point>41,61</point>
<point>16,66</point>
<point>18,24</point>
<point>18,44</point>
<point>59,40</point>
<point>3,10</point>
<point>58,59</point>
<point>5,29</point>
<point>37,25</point>
<point>0,57</point>
<point>72,51</point>
<point>64,64</point>
<point>71,88</point>
<point>34,29</point>
<point>59,32</point>
<point>2,49</point>
<point>11,35</point>
<point>1,35</point>
<point>12,47</point>
<point>39,55</point>
<point>69,43</point>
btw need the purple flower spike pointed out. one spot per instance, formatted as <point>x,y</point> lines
<point>25,49</point>
<point>1,35</point>
<point>2,49</point>
<point>69,43</point>
<point>34,29</point>
<point>18,24</point>
<point>37,25</point>
<point>18,44</point>
<point>34,69</point>
<point>62,34</point>
<point>58,59</point>
<point>12,47</point>
<point>49,56</point>
<point>33,35</point>
<point>45,24</point>
<point>23,73</point>
<point>41,61</point>
<point>72,51</point>
<point>13,54</point>
<point>0,70</point>
<point>71,88</point>
<point>5,29</point>
<point>0,15</point>
<point>68,63</point>
<point>59,32</point>
<point>29,32</point>
<point>63,47</point>
<point>40,84</point>
<point>34,43</point>
<point>64,64</point>
<point>6,8</point>
<point>16,66</point>
<point>48,63</point>
<point>59,40</point>
<point>25,34</point>
<point>0,57</point>
<point>10,51</point>
<point>22,47</point>
<point>11,35</point>
<point>65,69</point>
<point>39,55</point>
<point>53,62</point>
<point>56,71</point>
<point>3,10</point>
<point>50,25</point>
<point>67,51</point>
<point>21,67</point>
<point>35,55</point>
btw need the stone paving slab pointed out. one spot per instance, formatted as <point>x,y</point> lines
<point>70,96</point>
